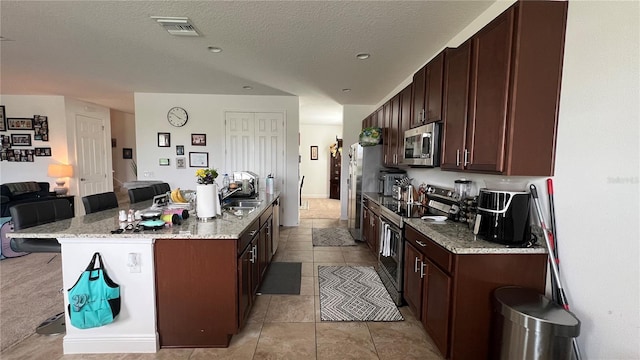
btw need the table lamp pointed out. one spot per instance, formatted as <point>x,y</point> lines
<point>60,171</point>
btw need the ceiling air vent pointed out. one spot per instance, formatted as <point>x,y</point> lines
<point>177,26</point>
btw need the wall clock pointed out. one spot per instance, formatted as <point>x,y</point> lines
<point>177,116</point>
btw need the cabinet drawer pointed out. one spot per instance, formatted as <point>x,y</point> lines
<point>371,205</point>
<point>247,236</point>
<point>436,253</point>
<point>265,215</point>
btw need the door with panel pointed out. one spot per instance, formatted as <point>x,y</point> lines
<point>91,167</point>
<point>413,281</point>
<point>455,109</point>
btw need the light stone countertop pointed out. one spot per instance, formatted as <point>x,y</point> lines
<point>458,238</point>
<point>100,225</point>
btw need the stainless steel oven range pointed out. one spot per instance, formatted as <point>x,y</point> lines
<point>392,215</point>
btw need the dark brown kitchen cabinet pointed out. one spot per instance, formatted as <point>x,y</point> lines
<point>514,91</point>
<point>413,279</point>
<point>451,293</point>
<point>456,101</point>
<point>427,92</point>
<point>205,288</point>
<point>392,132</point>
<point>371,225</point>
<point>265,247</point>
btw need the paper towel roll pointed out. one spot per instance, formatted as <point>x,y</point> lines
<point>207,201</point>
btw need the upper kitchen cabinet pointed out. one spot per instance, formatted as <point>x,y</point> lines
<point>513,96</point>
<point>427,92</point>
<point>392,134</point>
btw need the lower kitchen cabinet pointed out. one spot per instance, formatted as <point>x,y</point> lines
<point>196,292</point>
<point>452,294</point>
<point>371,225</point>
<point>205,288</point>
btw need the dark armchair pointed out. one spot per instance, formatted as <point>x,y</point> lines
<point>23,192</point>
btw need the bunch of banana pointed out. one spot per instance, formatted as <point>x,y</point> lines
<point>176,196</point>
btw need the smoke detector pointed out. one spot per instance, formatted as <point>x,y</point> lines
<point>177,26</point>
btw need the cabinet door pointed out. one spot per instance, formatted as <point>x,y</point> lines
<point>437,304</point>
<point>255,267</point>
<point>419,87</point>
<point>245,287</point>
<point>456,97</point>
<point>434,79</point>
<point>405,119</point>
<point>265,249</point>
<point>413,282</point>
<point>387,157</point>
<point>365,225</point>
<point>394,136</point>
<point>375,234</point>
<point>491,67</point>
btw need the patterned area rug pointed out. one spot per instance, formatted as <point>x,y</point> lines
<point>354,293</point>
<point>332,237</point>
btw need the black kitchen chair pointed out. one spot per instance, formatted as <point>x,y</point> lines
<point>141,194</point>
<point>98,202</point>
<point>162,188</point>
<point>38,213</point>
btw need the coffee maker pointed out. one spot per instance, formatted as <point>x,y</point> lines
<point>503,217</point>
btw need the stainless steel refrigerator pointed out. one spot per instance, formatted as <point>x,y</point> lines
<point>365,163</point>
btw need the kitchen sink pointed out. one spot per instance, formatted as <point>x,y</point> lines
<point>242,204</point>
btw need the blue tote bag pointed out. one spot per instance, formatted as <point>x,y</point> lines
<point>94,300</point>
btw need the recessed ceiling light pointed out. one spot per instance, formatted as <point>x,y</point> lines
<point>214,49</point>
<point>363,56</point>
<point>247,87</point>
<point>346,90</point>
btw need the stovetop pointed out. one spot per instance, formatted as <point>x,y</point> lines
<point>440,202</point>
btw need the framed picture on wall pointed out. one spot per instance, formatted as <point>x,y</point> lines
<point>181,163</point>
<point>179,149</point>
<point>199,159</point>
<point>40,128</point>
<point>21,139</point>
<point>3,120</point>
<point>314,153</point>
<point>199,139</point>
<point>127,153</point>
<point>43,151</point>
<point>164,162</point>
<point>6,141</point>
<point>164,139</point>
<point>20,124</point>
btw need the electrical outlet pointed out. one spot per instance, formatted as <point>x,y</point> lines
<point>133,262</point>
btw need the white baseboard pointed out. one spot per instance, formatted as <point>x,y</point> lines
<point>112,344</point>
<point>315,196</point>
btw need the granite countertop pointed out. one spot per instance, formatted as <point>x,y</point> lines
<point>458,238</point>
<point>100,225</point>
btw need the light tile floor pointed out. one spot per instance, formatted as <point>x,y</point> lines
<point>287,326</point>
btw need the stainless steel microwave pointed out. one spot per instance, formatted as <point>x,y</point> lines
<point>422,146</point>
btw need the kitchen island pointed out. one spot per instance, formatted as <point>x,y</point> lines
<point>165,275</point>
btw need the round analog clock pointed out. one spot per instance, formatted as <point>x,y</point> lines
<point>177,116</point>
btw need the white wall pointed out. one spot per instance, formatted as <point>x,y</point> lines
<point>26,106</point>
<point>206,115</point>
<point>596,174</point>
<point>123,129</point>
<point>316,172</point>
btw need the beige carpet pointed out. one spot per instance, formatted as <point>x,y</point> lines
<point>320,209</point>
<point>29,294</point>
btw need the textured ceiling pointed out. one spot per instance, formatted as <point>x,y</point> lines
<point>104,51</point>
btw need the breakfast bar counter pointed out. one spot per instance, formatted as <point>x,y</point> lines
<point>151,266</point>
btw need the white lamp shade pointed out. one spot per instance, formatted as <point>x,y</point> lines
<point>60,170</point>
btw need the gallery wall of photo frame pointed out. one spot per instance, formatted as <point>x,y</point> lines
<point>20,133</point>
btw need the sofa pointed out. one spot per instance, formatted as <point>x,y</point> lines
<point>22,192</point>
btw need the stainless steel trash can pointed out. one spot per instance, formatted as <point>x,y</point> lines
<point>528,325</point>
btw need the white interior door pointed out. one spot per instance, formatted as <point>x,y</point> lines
<point>239,149</point>
<point>255,142</point>
<point>91,157</point>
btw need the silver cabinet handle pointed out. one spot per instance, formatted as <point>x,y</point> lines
<point>421,243</point>
<point>385,158</point>
<point>422,270</point>
<point>466,157</point>
<point>415,266</point>
<point>83,179</point>
<point>254,250</point>
<point>458,157</point>
<point>252,232</point>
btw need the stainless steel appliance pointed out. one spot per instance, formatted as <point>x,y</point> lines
<point>387,179</point>
<point>364,166</point>
<point>422,146</point>
<point>503,217</point>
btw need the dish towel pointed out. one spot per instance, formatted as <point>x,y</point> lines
<point>385,241</point>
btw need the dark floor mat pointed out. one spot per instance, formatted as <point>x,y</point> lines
<point>282,278</point>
